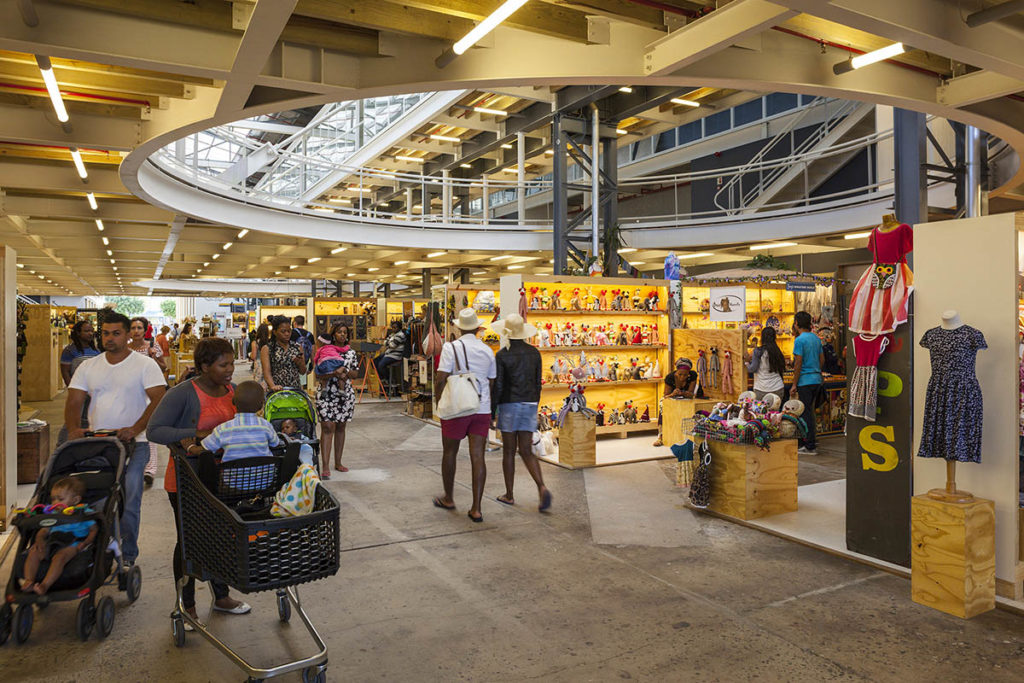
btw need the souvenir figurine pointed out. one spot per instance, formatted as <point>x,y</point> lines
<point>545,300</point>
<point>534,299</point>
<point>574,301</point>
<point>637,338</point>
<point>656,370</point>
<point>646,417</point>
<point>602,300</point>
<point>623,336</point>
<point>652,300</point>
<point>613,371</point>
<point>556,301</point>
<point>613,418</point>
<point>636,299</point>
<point>645,335</point>
<point>629,412</point>
<point>616,300</point>
<point>654,334</point>
<point>600,415</point>
<point>600,337</point>
<point>627,304</point>
<point>545,336</point>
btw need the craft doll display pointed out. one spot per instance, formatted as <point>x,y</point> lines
<point>751,421</point>
<point>953,405</point>
<point>881,296</point>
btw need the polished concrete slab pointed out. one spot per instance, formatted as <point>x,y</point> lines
<point>619,581</point>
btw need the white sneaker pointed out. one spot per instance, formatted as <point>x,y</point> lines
<point>803,450</point>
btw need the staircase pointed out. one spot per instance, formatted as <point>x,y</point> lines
<point>759,183</point>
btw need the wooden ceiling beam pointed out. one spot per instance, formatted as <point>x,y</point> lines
<point>92,67</point>
<point>387,17</point>
<point>545,19</point>
<point>622,10</point>
<point>40,100</point>
<point>69,79</point>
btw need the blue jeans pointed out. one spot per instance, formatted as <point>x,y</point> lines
<point>133,484</point>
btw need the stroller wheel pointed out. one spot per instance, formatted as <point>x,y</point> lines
<point>178,631</point>
<point>85,618</point>
<point>6,623</point>
<point>105,616</point>
<point>284,607</point>
<point>23,617</point>
<point>314,674</point>
<point>133,583</point>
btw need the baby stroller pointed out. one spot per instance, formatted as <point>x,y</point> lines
<point>227,533</point>
<point>294,404</point>
<point>99,462</point>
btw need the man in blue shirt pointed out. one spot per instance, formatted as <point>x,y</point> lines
<point>808,358</point>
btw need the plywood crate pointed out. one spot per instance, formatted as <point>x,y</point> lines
<point>749,483</point>
<point>673,412</point>
<point>577,441</point>
<point>33,453</point>
<point>953,555</point>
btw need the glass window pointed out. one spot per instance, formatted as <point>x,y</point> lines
<point>717,123</point>
<point>748,112</point>
<point>666,140</point>
<point>688,132</point>
<point>779,102</point>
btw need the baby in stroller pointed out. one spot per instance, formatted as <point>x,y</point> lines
<point>291,430</point>
<point>60,543</point>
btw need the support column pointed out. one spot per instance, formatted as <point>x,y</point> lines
<point>426,283</point>
<point>8,384</point>
<point>975,199</point>
<point>910,140</point>
<point>409,198</point>
<point>520,177</point>
<point>560,201</point>
<point>355,288</point>
<point>595,181</point>
<point>486,202</point>
<point>446,195</point>
<point>610,212</point>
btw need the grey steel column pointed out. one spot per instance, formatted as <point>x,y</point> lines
<point>909,140</point>
<point>974,202</point>
<point>426,283</point>
<point>355,288</point>
<point>595,181</point>
<point>521,177</point>
<point>559,201</point>
<point>610,214</point>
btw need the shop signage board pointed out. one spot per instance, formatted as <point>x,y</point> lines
<point>728,304</point>
<point>879,459</point>
<point>800,285</point>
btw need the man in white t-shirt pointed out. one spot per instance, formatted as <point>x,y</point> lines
<point>465,351</point>
<point>124,388</point>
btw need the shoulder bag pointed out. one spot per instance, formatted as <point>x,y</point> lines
<point>461,395</point>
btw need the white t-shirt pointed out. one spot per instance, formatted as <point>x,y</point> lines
<point>117,393</point>
<point>481,364</point>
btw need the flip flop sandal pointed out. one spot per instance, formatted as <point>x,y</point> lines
<point>505,502</point>
<point>438,503</point>
<point>545,502</point>
<point>477,520</point>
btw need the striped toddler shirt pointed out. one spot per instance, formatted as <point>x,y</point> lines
<point>246,435</point>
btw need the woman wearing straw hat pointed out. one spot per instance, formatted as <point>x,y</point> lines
<point>516,395</point>
<point>466,351</point>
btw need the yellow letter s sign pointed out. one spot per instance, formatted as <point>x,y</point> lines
<point>879,448</point>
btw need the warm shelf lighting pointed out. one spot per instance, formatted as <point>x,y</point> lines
<point>76,157</point>
<point>493,112</point>
<point>436,253</point>
<point>46,69</point>
<point>857,235</point>
<point>415,160</point>
<point>488,24</point>
<point>684,102</point>
<point>92,201</point>
<point>445,138</point>
<point>242,233</point>
<point>338,250</point>
<point>772,245</point>
<point>99,224</point>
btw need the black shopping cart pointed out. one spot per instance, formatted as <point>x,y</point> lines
<point>228,534</point>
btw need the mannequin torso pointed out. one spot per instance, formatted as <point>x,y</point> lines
<point>951,320</point>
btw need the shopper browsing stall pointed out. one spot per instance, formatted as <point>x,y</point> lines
<point>767,364</point>
<point>465,355</point>
<point>808,358</point>
<point>517,387</point>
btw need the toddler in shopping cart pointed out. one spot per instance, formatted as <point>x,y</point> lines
<point>246,435</point>
<point>291,430</point>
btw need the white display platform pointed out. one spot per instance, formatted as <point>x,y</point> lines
<point>615,451</point>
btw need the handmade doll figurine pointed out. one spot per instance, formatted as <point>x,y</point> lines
<point>645,334</point>
<point>635,369</point>
<point>613,418</point>
<point>714,367</point>
<point>545,300</point>
<point>789,425</point>
<point>600,415</point>
<point>727,387</point>
<point>636,299</point>
<point>556,301</point>
<point>646,416</point>
<point>626,304</point>
<point>602,300</point>
<point>637,337</point>
<point>655,339</point>
<point>574,302</point>
<point>656,370</point>
<point>534,298</point>
<point>613,371</point>
<point>601,337</point>
<point>623,335</point>
<point>616,304</point>
<point>652,300</point>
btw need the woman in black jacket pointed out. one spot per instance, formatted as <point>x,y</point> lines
<point>516,395</point>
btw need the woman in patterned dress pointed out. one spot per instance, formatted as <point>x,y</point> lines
<point>138,343</point>
<point>336,402</point>
<point>282,360</point>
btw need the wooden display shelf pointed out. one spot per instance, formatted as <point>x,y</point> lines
<point>623,430</point>
<point>565,311</point>
<point>558,385</point>
<point>605,347</point>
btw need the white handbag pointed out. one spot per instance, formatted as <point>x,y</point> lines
<point>461,395</point>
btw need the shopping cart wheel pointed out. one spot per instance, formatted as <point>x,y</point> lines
<point>6,623</point>
<point>133,583</point>
<point>85,618</point>
<point>23,617</point>
<point>178,631</point>
<point>314,674</point>
<point>284,606</point>
<point>105,616</point>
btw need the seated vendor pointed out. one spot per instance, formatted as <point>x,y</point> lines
<point>682,383</point>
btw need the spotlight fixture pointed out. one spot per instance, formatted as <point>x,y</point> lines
<point>860,61</point>
<point>76,157</point>
<point>46,69</point>
<point>772,245</point>
<point>92,201</point>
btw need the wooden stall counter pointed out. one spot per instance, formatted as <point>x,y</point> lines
<point>673,412</point>
<point>749,483</point>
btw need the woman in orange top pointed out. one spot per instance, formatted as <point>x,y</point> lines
<point>189,412</point>
<point>161,341</point>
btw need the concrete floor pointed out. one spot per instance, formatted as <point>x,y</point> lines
<point>618,582</point>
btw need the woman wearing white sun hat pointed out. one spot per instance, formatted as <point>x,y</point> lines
<point>466,352</point>
<point>516,395</point>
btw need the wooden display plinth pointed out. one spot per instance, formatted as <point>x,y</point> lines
<point>673,412</point>
<point>749,483</point>
<point>953,555</point>
<point>577,441</point>
<point>33,452</point>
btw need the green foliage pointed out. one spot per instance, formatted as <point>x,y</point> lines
<point>169,307</point>
<point>128,305</point>
<point>768,262</point>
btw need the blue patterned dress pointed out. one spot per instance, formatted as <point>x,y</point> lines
<point>953,405</point>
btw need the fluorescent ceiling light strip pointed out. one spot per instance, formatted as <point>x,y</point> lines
<point>697,255</point>
<point>857,235</point>
<point>46,69</point>
<point>313,259</point>
<point>685,103</point>
<point>339,200</point>
<point>625,89</point>
<point>627,250</point>
<point>76,157</point>
<point>487,25</point>
<point>436,253</point>
<point>227,245</point>
<point>493,112</point>
<point>338,250</point>
<point>242,234</point>
<point>415,160</point>
<point>772,245</point>
<point>106,241</point>
<point>99,224</point>
<point>878,55</point>
<point>445,138</point>
<point>92,201</point>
